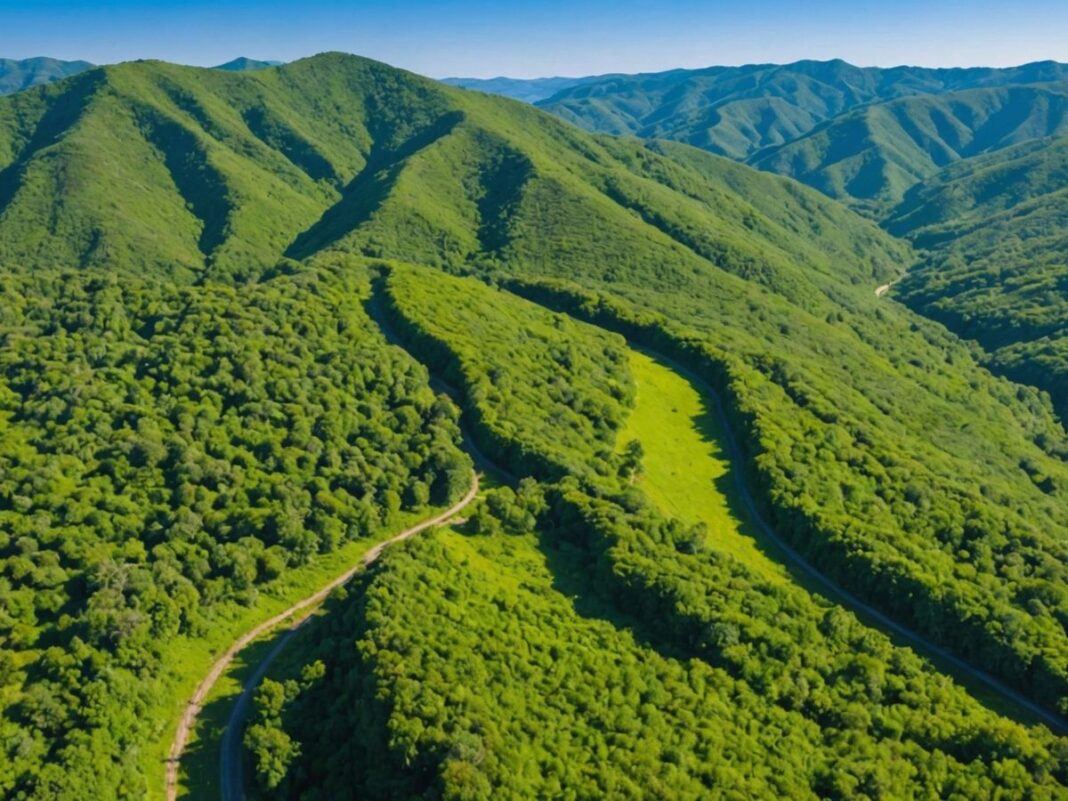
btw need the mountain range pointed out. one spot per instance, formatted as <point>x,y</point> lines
<point>529,90</point>
<point>18,75</point>
<point>890,142</point>
<point>226,292</point>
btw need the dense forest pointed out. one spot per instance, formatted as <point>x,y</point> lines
<point>168,450</point>
<point>987,538</point>
<point>993,233</point>
<point>201,271</point>
<point>427,706</point>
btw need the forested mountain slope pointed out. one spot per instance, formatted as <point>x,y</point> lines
<point>606,656</point>
<point>736,111</point>
<point>995,228</point>
<point>227,171</point>
<point>182,200</point>
<point>870,157</point>
<point>16,75</point>
<point>879,140</point>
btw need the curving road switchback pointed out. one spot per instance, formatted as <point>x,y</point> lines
<point>230,762</point>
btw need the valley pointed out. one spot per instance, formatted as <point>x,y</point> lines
<point>775,459</point>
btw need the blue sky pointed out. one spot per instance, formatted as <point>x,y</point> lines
<point>543,37</point>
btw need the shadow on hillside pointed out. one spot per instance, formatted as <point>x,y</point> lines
<point>575,576</point>
<point>366,192</point>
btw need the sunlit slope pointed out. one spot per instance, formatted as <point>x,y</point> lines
<point>855,708</point>
<point>996,234</point>
<point>686,469</point>
<point>149,166</point>
<point>153,167</point>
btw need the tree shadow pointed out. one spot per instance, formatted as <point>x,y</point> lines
<point>575,575</point>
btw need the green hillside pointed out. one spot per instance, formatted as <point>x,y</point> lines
<point>194,375</point>
<point>737,111</point>
<point>875,138</point>
<point>598,650</point>
<point>995,271</point>
<point>28,72</point>
<point>399,713</point>
<point>227,172</point>
<point>872,156</point>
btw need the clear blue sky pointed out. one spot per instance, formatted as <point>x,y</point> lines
<point>543,37</point>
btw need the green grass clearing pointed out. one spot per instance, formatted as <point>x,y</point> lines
<point>686,468</point>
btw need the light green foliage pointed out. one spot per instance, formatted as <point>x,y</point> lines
<point>862,462</point>
<point>500,665</point>
<point>685,468</point>
<point>876,442</point>
<point>544,394</point>
<point>166,450</point>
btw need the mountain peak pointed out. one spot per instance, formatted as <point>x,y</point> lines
<point>245,64</point>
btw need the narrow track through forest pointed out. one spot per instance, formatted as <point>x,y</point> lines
<point>231,780</point>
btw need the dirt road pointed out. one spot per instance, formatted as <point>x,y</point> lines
<point>230,760</point>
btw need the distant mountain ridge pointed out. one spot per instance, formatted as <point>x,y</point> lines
<point>871,156</point>
<point>16,75</point>
<point>736,111</point>
<point>529,90</point>
<point>863,135</point>
<point>244,64</point>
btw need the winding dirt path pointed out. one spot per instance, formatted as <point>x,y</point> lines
<point>230,759</point>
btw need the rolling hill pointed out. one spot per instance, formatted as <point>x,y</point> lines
<point>994,229</point>
<point>18,75</point>
<point>197,261</point>
<point>872,156</point>
<point>230,172</point>
<point>737,111</point>
<point>884,141</point>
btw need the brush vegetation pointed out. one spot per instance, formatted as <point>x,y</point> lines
<point>196,397</point>
<point>578,643</point>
